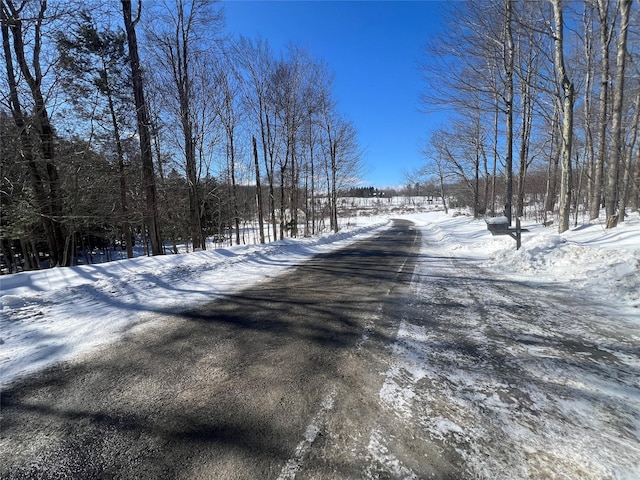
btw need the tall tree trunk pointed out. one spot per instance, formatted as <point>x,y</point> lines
<point>590,166</point>
<point>476,184</point>
<point>567,118</point>
<point>180,58</point>
<point>442,191</point>
<point>229,119</point>
<point>494,174</point>
<point>234,187</point>
<point>635,183</point>
<point>331,176</point>
<point>487,180</point>
<point>294,189</point>
<point>334,188</point>
<point>313,180</point>
<point>598,173</point>
<point>554,160</point>
<point>126,225</point>
<point>142,115</point>
<point>478,141</point>
<point>508,66</point>
<point>625,192</point>
<point>282,198</point>
<point>192,181</point>
<point>258,190</point>
<point>525,132</point>
<point>612,191</point>
<point>269,163</point>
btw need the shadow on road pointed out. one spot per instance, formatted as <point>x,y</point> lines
<point>228,387</point>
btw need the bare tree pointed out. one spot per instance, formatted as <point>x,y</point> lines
<point>148,175</point>
<point>606,27</point>
<point>341,154</point>
<point>230,117</point>
<point>627,177</point>
<point>527,69</point>
<point>508,61</point>
<point>589,59</point>
<point>317,88</point>
<point>254,63</point>
<point>471,68</point>
<point>555,145</point>
<point>460,153</point>
<point>183,33</point>
<point>93,59</point>
<point>436,165</point>
<point>45,184</point>
<point>291,90</point>
<point>258,189</point>
<point>612,191</point>
<point>495,56</point>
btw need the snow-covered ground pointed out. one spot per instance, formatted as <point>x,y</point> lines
<point>59,314</point>
<point>589,258</point>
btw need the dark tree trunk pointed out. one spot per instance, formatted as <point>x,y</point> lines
<point>142,115</point>
<point>258,190</point>
<point>509,108</point>
<point>613,190</point>
<point>124,210</point>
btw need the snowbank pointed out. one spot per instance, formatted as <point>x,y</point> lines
<point>598,262</point>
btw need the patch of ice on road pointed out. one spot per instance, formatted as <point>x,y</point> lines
<point>383,463</point>
<point>395,395</point>
<point>407,368</point>
<point>444,426</point>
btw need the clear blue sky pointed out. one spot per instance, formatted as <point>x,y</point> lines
<point>373,47</point>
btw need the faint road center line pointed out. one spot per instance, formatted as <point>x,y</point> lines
<point>293,465</point>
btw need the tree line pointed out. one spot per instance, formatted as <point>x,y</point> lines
<point>145,121</point>
<point>538,86</point>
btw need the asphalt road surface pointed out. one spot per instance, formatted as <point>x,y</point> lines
<point>277,381</point>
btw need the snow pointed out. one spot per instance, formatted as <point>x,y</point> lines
<point>497,220</point>
<point>63,313</point>
<point>380,454</point>
<point>589,257</point>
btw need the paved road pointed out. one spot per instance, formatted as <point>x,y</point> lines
<point>275,381</point>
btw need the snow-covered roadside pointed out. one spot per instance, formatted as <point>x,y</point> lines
<point>599,263</point>
<point>53,315</point>
<point>526,363</point>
